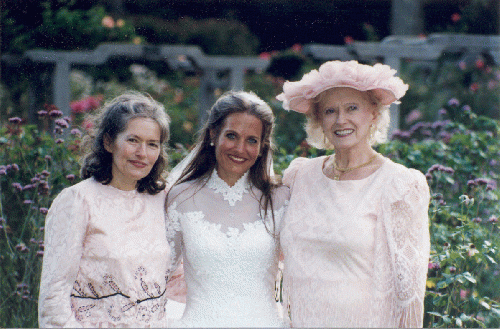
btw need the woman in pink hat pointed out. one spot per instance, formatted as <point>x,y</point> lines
<point>355,236</point>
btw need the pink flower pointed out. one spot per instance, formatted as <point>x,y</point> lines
<point>413,116</point>
<point>297,48</point>
<point>479,64</point>
<point>455,17</point>
<point>464,293</point>
<point>108,22</point>
<point>462,65</point>
<point>348,40</point>
<point>265,55</point>
<point>474,87</point>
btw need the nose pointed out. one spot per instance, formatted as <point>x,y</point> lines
<point>240,146</point>
<point>341,117</point>
<point>140,151</point>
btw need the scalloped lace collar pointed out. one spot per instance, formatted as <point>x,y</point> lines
<point>230,194</point>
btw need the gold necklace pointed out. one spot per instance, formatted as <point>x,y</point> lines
<point>344,170</point>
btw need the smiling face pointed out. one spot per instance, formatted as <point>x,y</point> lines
<point>346,115</point>
<point>237,146</point>
<point>135,151</point>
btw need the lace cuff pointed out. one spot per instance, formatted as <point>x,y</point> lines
<point>65,228</point>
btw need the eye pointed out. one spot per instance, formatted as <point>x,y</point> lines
<point>352,108</point>
<point>154,145</point>
<point>253,140</point>
<point>329,110</point>
<point>132,140</point>
<point>230,135</point>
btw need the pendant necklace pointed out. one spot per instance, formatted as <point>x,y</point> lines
<point>344,170</point>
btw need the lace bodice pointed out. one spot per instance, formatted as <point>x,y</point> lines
<point>230,259</point>
<point>356,251</point>
<point>106,259</point>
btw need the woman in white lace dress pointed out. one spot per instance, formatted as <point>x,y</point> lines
<point>224,214</point>
<point>355,237</point>
<point>106,258</point>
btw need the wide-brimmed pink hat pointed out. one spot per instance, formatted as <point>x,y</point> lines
<point>299,95</point>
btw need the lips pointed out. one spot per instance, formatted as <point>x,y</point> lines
<point>138,164</point>
<point>343,132</point>
<point>236,159</point>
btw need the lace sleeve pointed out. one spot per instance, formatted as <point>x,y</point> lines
<point>407,228</point>
<point>65,228</point>
<point>174,235</point>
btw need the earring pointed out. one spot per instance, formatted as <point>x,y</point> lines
<point>211,143</point>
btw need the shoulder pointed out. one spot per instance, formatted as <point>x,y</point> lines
<point>81,189</point>
<point>404,181</point>
<point>298,165</point>
<point>183,191</point>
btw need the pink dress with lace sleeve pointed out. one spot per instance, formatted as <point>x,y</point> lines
<point>106,259</point>
<point>356,251</point>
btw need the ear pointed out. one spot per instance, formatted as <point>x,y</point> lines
<point>375,114</point>
<point>212,136</point>
<point>108,145</point>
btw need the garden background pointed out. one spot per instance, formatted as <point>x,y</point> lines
<point>449,130</point>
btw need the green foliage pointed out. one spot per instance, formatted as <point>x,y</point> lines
<point>62,28</point>
<point>214,36</point>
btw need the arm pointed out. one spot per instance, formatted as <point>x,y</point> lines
<point>407,229</point>
<point>65,229</point>
<point>176,286</point>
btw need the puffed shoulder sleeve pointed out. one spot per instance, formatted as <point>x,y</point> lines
<point>291,172</point>
<point>406,221</point>
<point>65,230</point>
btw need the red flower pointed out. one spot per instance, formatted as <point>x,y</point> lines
<point>474,87</point>
<point>265,55</point>
<point>479,64</point>
<point>455,17</point>
<point>297,48</point>
<point>348,40</point>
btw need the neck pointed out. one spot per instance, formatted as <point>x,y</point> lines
<point>348,158</point>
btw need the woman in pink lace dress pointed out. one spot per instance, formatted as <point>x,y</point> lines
<point>107,258</point>
<point>355,236</point>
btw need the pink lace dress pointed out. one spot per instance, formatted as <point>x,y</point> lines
<point>356,251</point>
<point>106,259</point>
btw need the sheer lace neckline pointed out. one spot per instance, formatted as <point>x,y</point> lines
<point>230,193</point>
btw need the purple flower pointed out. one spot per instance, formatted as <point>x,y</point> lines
<point>61,123</point>
<point>471,183</point>
<point>413,116</point>
<point>3,172</point>
<point>477,220</point>
<point>28,187</point>
<point>466,108</point>
<point>2,220</point>
<point>44,211</point>
<point>55,113</point>
<point>76,132</point>
<point>17,186</point>
<point>67,119</point>
<point>493,219</point>
<point>452,269</point>
<point>35,180</point>
<point>28,201</point>
<point>70,177</point>
<point>42,113</point>
<point>39,253</point>
<point>45,173</point>
<point>59,141</point>
<point>442,112</point>
<point>15,120</point>
<point>48,158</point>
<point>453,102</point>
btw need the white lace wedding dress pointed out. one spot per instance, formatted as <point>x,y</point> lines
<point>230,259</point>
